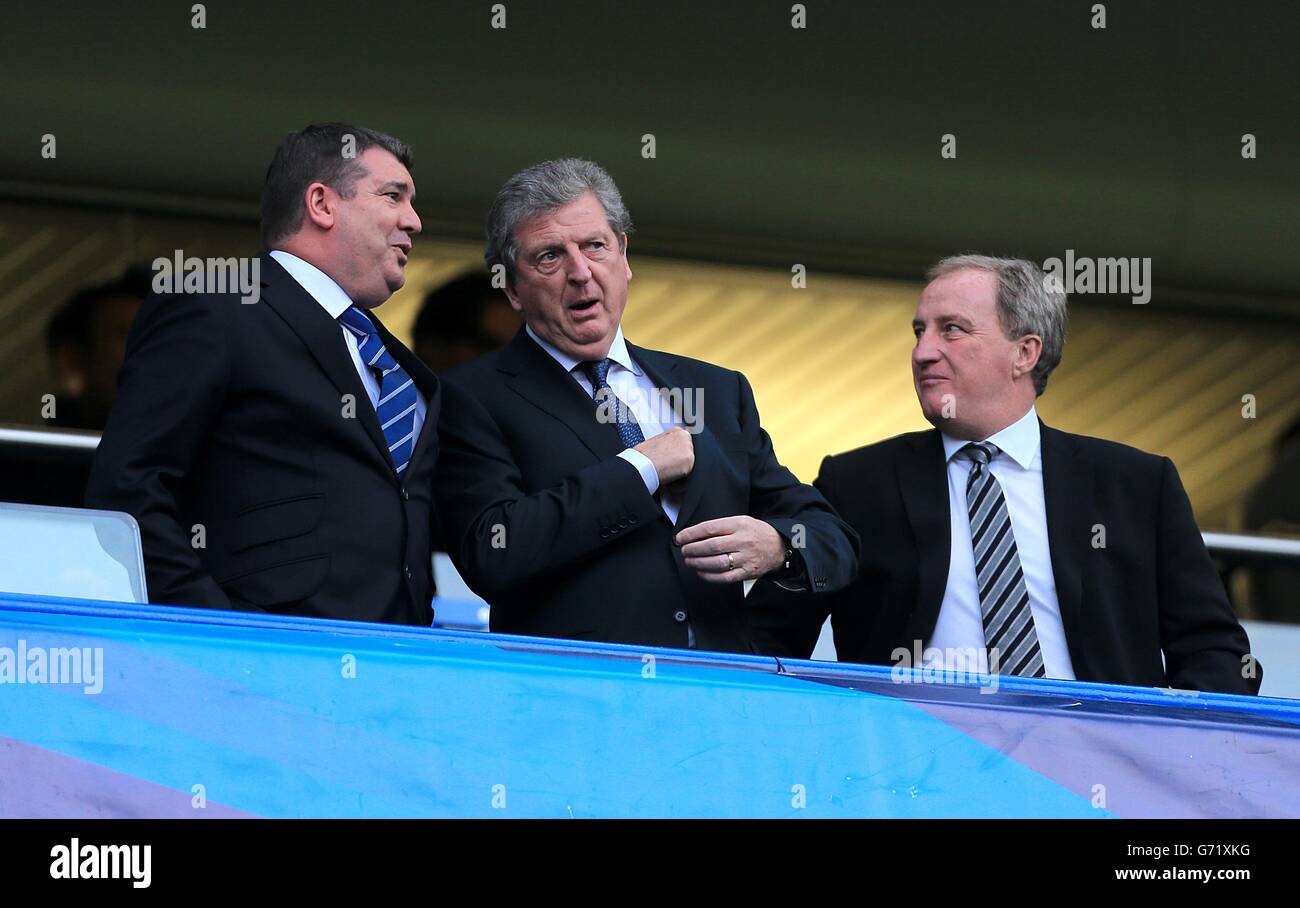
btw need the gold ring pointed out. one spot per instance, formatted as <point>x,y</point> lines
<point>731,566</point>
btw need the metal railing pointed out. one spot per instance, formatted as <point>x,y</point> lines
<point>1237,547</point>
<point>54,438</point>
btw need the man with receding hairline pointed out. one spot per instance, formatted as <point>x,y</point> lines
<point>278,455</point>
<point>994,536</point>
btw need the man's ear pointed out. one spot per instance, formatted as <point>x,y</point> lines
<point>321,202</point>
<point>513,297</point>
<point>622,240</point>
<point>1028,349</point>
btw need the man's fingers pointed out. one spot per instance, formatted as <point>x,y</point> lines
<point>714,545</point>
<point>717,527</point>
<point>713,564</point>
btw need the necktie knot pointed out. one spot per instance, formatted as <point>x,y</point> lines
<point>981,452</point>
<point>597,371</point>
<point>358,322</point>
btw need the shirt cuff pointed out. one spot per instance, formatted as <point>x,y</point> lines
<point>645,466</point>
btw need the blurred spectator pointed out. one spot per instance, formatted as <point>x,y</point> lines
<point>461,320</point>
<point>87,343</point>
<point>1273,507</point>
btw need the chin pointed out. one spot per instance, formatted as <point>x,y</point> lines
<point>589,336</point>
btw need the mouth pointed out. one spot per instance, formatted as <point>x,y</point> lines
<point>930,379</point>
<point>584,307</point>
<point>404,249</point>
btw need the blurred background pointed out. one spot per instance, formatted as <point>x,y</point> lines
<point>773,147</point>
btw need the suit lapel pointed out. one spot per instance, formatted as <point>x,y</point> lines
<point>1067,489</point>
<point>923,480</point>
<point>324,338</point>
<point>536,377</point>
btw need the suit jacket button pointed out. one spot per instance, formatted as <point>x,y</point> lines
<point>632,519</point>
<point>407,571</point>
<point>623,524</point>
<point>604,532</point>
<point>406,496</point>
<point>679,616</point>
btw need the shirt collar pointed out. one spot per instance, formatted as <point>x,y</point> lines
<point>319,285</point>
<point>618,352</point>
<point>1019,441</point>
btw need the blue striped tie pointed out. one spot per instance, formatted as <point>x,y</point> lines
<point>397,393</point>
<point>1004,600</point>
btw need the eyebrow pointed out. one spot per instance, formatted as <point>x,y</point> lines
<point>557,246</point>
<point>399,185</point>
<point>545,247</point>
<point>944,319</point>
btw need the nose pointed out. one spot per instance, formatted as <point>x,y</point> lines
<point>410,221</point>
<point>576,266</point>
<point>926,350</point>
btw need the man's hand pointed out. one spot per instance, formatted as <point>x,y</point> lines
<point>731,549</point>
<point>672,453</point>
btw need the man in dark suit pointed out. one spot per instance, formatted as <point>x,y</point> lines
<point>993,536</point>
<point>278,452</point>
<point>597,490</point>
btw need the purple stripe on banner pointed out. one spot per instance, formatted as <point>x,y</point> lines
<point>1146,768</point>
<point>40,783</point>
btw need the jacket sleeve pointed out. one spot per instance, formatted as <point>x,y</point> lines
<point>787,624</point>
<point>498,535</point>
<point>170,392</point>
<point>1204,645</point>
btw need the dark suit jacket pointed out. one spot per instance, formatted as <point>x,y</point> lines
<point>1152,588</point>
<point>234,416</point>
<point>559,534</point>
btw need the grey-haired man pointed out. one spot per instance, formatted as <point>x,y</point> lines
<point>995,543</point>
<point>596,490</point>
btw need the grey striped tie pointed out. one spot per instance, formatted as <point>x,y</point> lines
<point>1004,600</point>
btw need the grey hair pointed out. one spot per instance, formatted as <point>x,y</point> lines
<point>1029,302</point>
<point>541,189</point>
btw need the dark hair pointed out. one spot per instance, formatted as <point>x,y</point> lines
<point>74,321</point>
<point>315,155</point>
<point>451,312</point>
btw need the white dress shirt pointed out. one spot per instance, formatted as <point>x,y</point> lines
<point>960,628</point>
<point>322,288</point>
<point>634,387</point>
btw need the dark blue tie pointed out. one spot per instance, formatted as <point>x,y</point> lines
<point>397,393</point>
<point>609,405</point>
